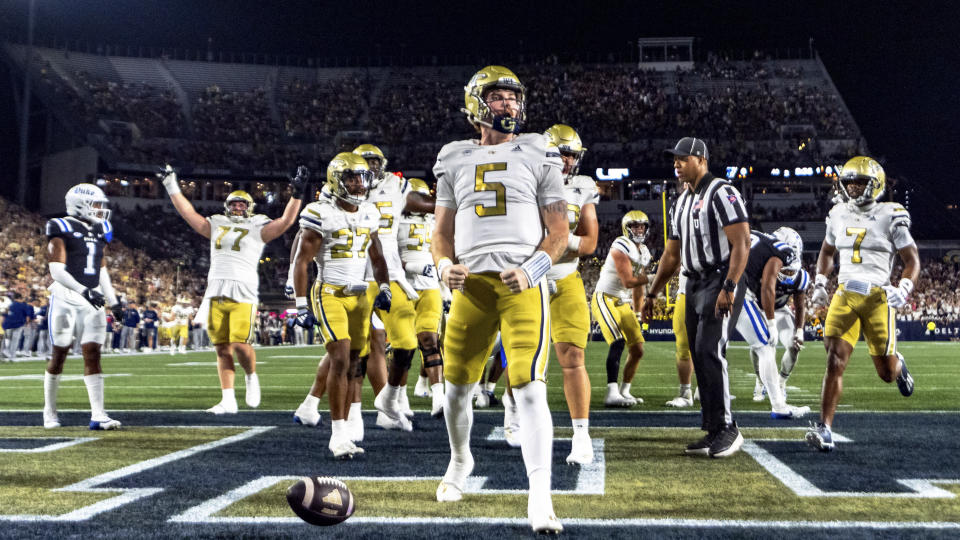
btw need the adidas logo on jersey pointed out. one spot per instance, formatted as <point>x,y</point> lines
<point>517,149</point>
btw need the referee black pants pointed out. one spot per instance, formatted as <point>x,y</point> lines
<point>708,336</point>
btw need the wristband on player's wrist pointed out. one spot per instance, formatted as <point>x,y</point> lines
<point>301,302</point>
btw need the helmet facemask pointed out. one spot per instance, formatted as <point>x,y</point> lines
<point>238,196</point>
<point>871,190</point>
<point>360,180</point>
<point>637,238</point>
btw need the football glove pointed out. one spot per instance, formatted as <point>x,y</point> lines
<point>798,339</point>
<point>288,290</point>
<point>446,305</point>
<point>552,286</point>
<point>820,297</point>
<point>96,299</point>
<point>169,179</point>
<point>117,310</point>
<point>774,335</point>
<point>300,183</point>
<point>384,298</point>
<point>305,319</point>
<point>897,296</point>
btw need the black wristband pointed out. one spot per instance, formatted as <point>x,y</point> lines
<point>651,296</point>
<point>729,285</point>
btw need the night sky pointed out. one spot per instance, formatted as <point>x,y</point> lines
<point>896,67</point>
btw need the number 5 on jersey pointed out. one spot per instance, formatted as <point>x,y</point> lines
<point>499,208</point>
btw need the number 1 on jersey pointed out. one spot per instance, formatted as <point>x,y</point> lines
<point>91,252</point>
<point>499,208</point>
<point>860,232</point>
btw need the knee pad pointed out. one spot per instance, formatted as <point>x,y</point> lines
<point>431,356</point>
<point>403,358</point>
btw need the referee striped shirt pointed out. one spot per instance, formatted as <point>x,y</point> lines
<point>698,219</point>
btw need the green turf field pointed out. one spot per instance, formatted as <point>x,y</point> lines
<point>176,471</point>
<point>161,381</point>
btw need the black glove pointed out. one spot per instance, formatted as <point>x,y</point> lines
<point>96,299</point>
<point>305,319</point>
<point>289,292</point>
<point>117,310</point>
<point>300,183</point>
<point>383,299</point>
<point>446,306</point>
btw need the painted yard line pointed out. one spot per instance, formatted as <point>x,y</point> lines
<point>920,488</point>
<point>128,495</point>
<point>669,411</point>
<point>48,448</point>
<point>63,378</point>
<point>192,364</point>
<point>605,523</point>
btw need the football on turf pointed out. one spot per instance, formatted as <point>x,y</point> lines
<point>321,500</point>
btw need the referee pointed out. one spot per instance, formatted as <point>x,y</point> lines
<point>710,238</point>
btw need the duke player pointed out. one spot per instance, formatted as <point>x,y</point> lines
<point>868,235</point>
<point>495,198</point>
<point>81,286</point>
<point>792,282</point>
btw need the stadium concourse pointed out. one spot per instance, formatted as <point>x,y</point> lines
<point>239,126</point>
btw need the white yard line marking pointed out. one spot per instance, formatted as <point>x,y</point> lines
<point>921,488</point>
<point>128,495</point>
<point>46,448</point>
<point>63,378</point>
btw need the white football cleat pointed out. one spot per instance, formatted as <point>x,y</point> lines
<point>632,400</point>
<point>542,518</point>
<point>306,416</point>
<point>482,400</point>
<point>422,389</point>
<point>451,486</point>
<point>252,395</point>
<point>50,419</point>
<point>581,450</point>
<point>436,410</point>
<point>344,449</point>
<point>789,412</point>
<point>104,423</point>
<point>390,416</point>
<point>224,408</point>
<point>616,400</point>
<point>681,401</point>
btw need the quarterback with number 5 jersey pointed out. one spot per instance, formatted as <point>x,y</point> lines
<point>867,235</point>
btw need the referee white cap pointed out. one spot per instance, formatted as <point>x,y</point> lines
<point>689,146</point>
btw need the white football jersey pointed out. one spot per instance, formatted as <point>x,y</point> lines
<point>497,191</point>
<point>414,237</point>
<point>346,237</point>
<point>868,240</point>
<point>235,248</point>
<point>579,192</point>
<point>182,314</point>
<point>390,197</point>
<point>608,281</point>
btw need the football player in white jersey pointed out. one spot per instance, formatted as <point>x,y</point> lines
<point>495,198</point>
<point>339,234</point>
<point>622,276</point>
<point>180,332</point>
<point>392,196</point>
<point>414,237</point>
<point>569,312</point>
<point>236,239</point>
<point>867,234</point>
<point>81,286</point>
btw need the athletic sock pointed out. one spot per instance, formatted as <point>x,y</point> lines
<point>489,387</point>
<point>625,389</point>
<point>51,383</point>
<point>580,425</point>
<point>95,393</point>
<point>536,435</point>
<point>228,395</point>
<point>311,402</point>
<point>458,415</point>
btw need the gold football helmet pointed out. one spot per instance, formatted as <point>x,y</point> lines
<point>631,218</point>
<point>566,140</point>
<point>474,96</point>
<point>368,152</point>
<point>343,165</point>
<point>419,186</point>
<point>238,195</point>
<point>862,168</point>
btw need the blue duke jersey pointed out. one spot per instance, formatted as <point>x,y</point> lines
<point>762,248</point>
<point>579,192</point>
<point>84,244</point>
<point>785,291</point>
<point>497,192</point>
<point>346,236</point>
